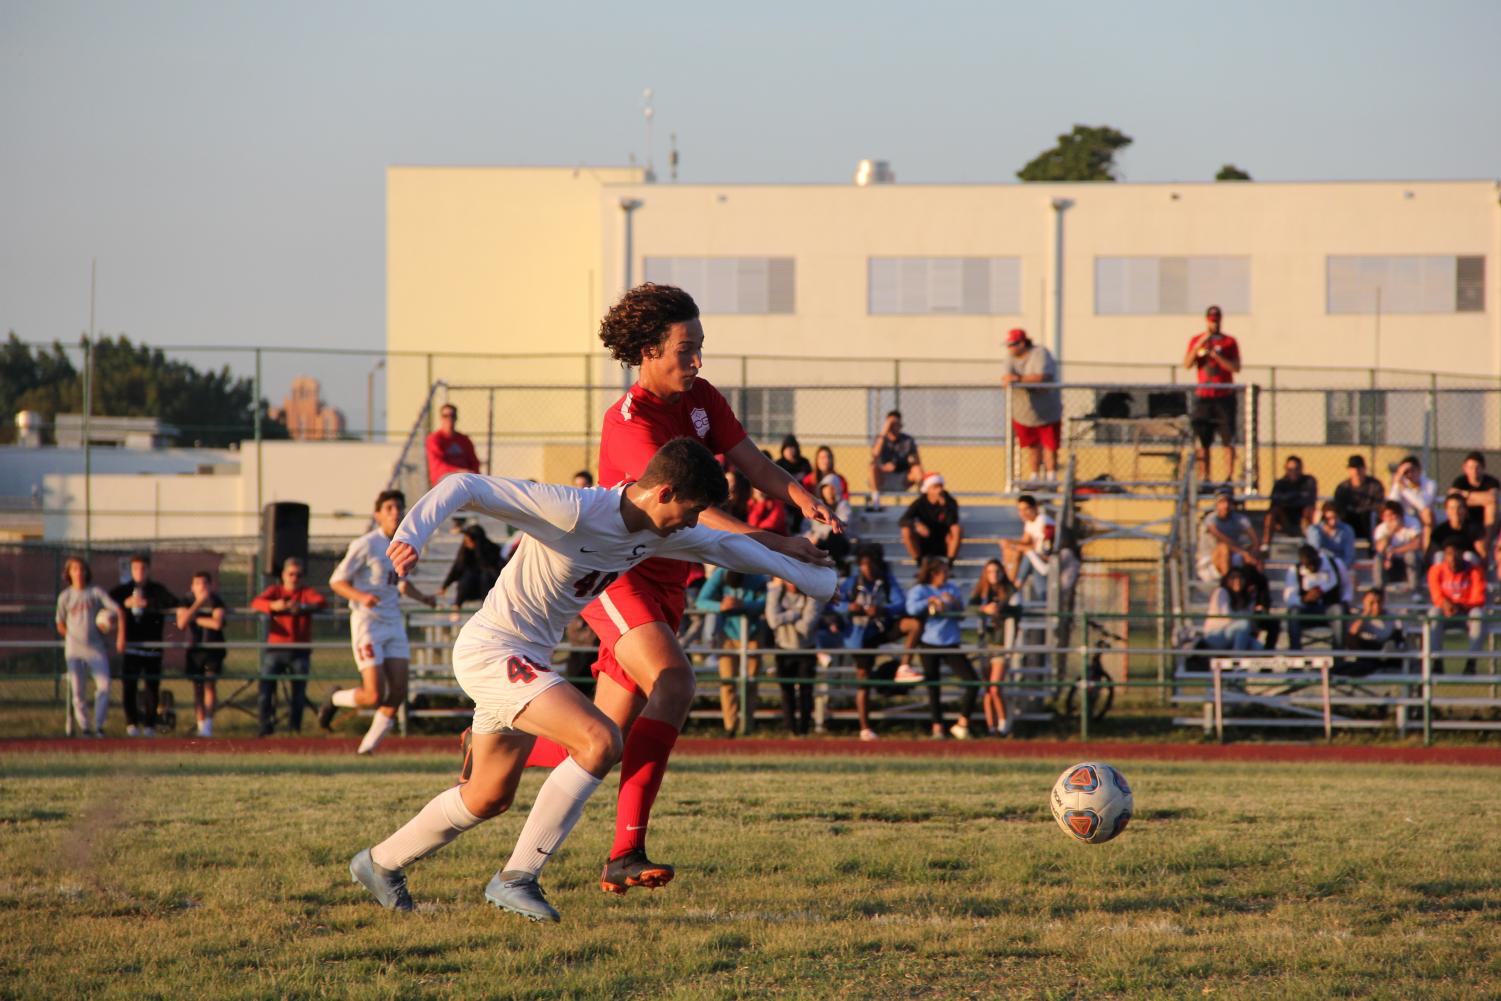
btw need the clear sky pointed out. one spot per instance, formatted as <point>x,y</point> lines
<point>224,161</point>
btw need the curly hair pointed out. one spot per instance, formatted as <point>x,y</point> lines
<point>639,321</point>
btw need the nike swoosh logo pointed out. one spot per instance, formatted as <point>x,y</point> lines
<point>586,549</point>
<point>543,851</point>
<point>632,827</point>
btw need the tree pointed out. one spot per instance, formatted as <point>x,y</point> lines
<point>133,380</point>
<point>1085,154</point>
<point>1230,172</point>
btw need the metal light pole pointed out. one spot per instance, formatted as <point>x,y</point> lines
<point>629,207</point>
<point>370,399</point>
<point>88,410</point>
<point>1060,205</point>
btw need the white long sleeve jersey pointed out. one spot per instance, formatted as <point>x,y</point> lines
<point>576,544</point>
<point>366,566</point>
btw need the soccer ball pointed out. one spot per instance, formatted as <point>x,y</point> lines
<point>105,620</point>
<point>1092,802</point>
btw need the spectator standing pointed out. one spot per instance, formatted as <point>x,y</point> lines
<point>475,567</point>
<point>1216,357</point>
<point>80,608</point>
<point>290,604</point>
<point>740,600</point>
<point>146,604</point>
<point>1228,625</point>
<point>938,599</point>
<point>1029,554</point>
<point>1315,587</point>
<point>797,466</point>
<point>1226,539</point>
<point>1332,535</point>
<point>1036,410</point>
<point>203,618</point>
<point>1457,525</point>
<point>1294,502</point>
<point>1358,498</point>
<point>1398,539</point>
<point>1415,492</point>
<point>999,616</point>
<point>1457,589</point>
<point>766,515</point>
<point>874,606</point>
<point>449,450</point>
<point>930,526</point>
<point>1479,490</point>
<point>823,467</point>
<point>792,615</point>
<point>895,465</point>
<point>1372,631</point>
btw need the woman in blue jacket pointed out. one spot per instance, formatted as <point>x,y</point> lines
<point>936,597</point>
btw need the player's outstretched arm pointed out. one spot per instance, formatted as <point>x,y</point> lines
<point>739,552</point>
<point>776,483</point>
<point>545,511</point>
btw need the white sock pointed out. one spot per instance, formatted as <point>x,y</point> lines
<point>560,804</point>
<point>379,727</point>
<point>444,818</point>
<point>344,698</point>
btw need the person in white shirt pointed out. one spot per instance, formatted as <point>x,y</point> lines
<point>1316,585</point>
<point>84,614</point>
<point>1028,554</point>
<point>1397,541</point>
<point>577,542</point>
<point>1415,492</point>
<point>377,629</point>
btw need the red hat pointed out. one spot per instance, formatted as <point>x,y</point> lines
<point>1016,336</point>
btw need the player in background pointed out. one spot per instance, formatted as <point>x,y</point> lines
<point>80,607</point>
<point>377,630</point>
<point>576,542</point>
<point>645,683</point>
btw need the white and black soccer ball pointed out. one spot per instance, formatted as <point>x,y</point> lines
<point>105,620</point>
<point>1092,802</point>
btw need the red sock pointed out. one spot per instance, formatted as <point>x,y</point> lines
<point>641,768</point>
<point>545,754</point>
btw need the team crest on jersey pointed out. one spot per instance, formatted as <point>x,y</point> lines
<point>700,418</point>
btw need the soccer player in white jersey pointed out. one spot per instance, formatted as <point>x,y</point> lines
<point>577,541</point>
<point>377,630</point>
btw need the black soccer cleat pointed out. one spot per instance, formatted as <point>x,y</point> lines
<point>466,748</point>
<point>326,715</point>
<point>634,869</point>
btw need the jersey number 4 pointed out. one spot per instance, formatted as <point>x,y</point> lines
<point>592,583</point>
<point>522,671</point>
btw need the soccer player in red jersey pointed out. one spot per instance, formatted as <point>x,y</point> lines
<point>645,683</point>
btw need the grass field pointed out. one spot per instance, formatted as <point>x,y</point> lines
<point>218,876</point>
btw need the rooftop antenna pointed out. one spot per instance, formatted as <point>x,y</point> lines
<point>648,113</point>
<point>672,155</point>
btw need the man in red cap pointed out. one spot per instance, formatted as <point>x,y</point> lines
<point>1036,412</point>
<point>1217,358</point>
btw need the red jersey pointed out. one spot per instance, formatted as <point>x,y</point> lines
<point>1211,372</point>
<point>449,453</point>
<point>1464,587</point>
<point>640,422</point>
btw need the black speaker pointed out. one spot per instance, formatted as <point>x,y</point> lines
<point>283,534</point>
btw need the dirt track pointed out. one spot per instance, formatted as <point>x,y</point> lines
<point>1073,750</point>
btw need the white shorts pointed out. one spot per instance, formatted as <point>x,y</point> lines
<point>500,681</point>
<point>374,643</point>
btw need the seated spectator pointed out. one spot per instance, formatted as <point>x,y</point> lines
<point>475,568</point>
<point>1457,525</point>
<point>1397,542</point>
<point>1457,588</point>
<point>895,465</point>
<point>1415,492</point>
<point>999,616</point>
<point>583,479</point>
<point>1479,490</point>
<point>792,616</point>
<point>1331,535</point>
<point>823,466</point>
<point>1372,631</point>
<point>935,598</point>
<point>737,504</point>
<point>797,466</point>
<point>1314,589</point>
<point>765,514</point>
<point>930,526</point>
<point>836,544</point>
<point>1226,539</point>
<point>1266,624</point>
<point>203,618</point>
<point>740,600</point>
<point>290,605</point>
<point>874,607</point>
<point>1295,496</point>
<point>1228,625</point>
<point>1029,554</point>
<point>1358,499</point>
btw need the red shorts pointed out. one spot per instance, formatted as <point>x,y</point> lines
<point>630,602</point>
<point>1045,435</point>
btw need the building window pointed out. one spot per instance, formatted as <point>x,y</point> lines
<point>1355,417</point>
<point>760,285</point>
<point>768,415</point>
<point>1412,284</point>
<point>1171,286</point>
<point>972,286</point>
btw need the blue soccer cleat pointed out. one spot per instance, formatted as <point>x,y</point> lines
<point>515,890</point>
<point>388,885</point>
